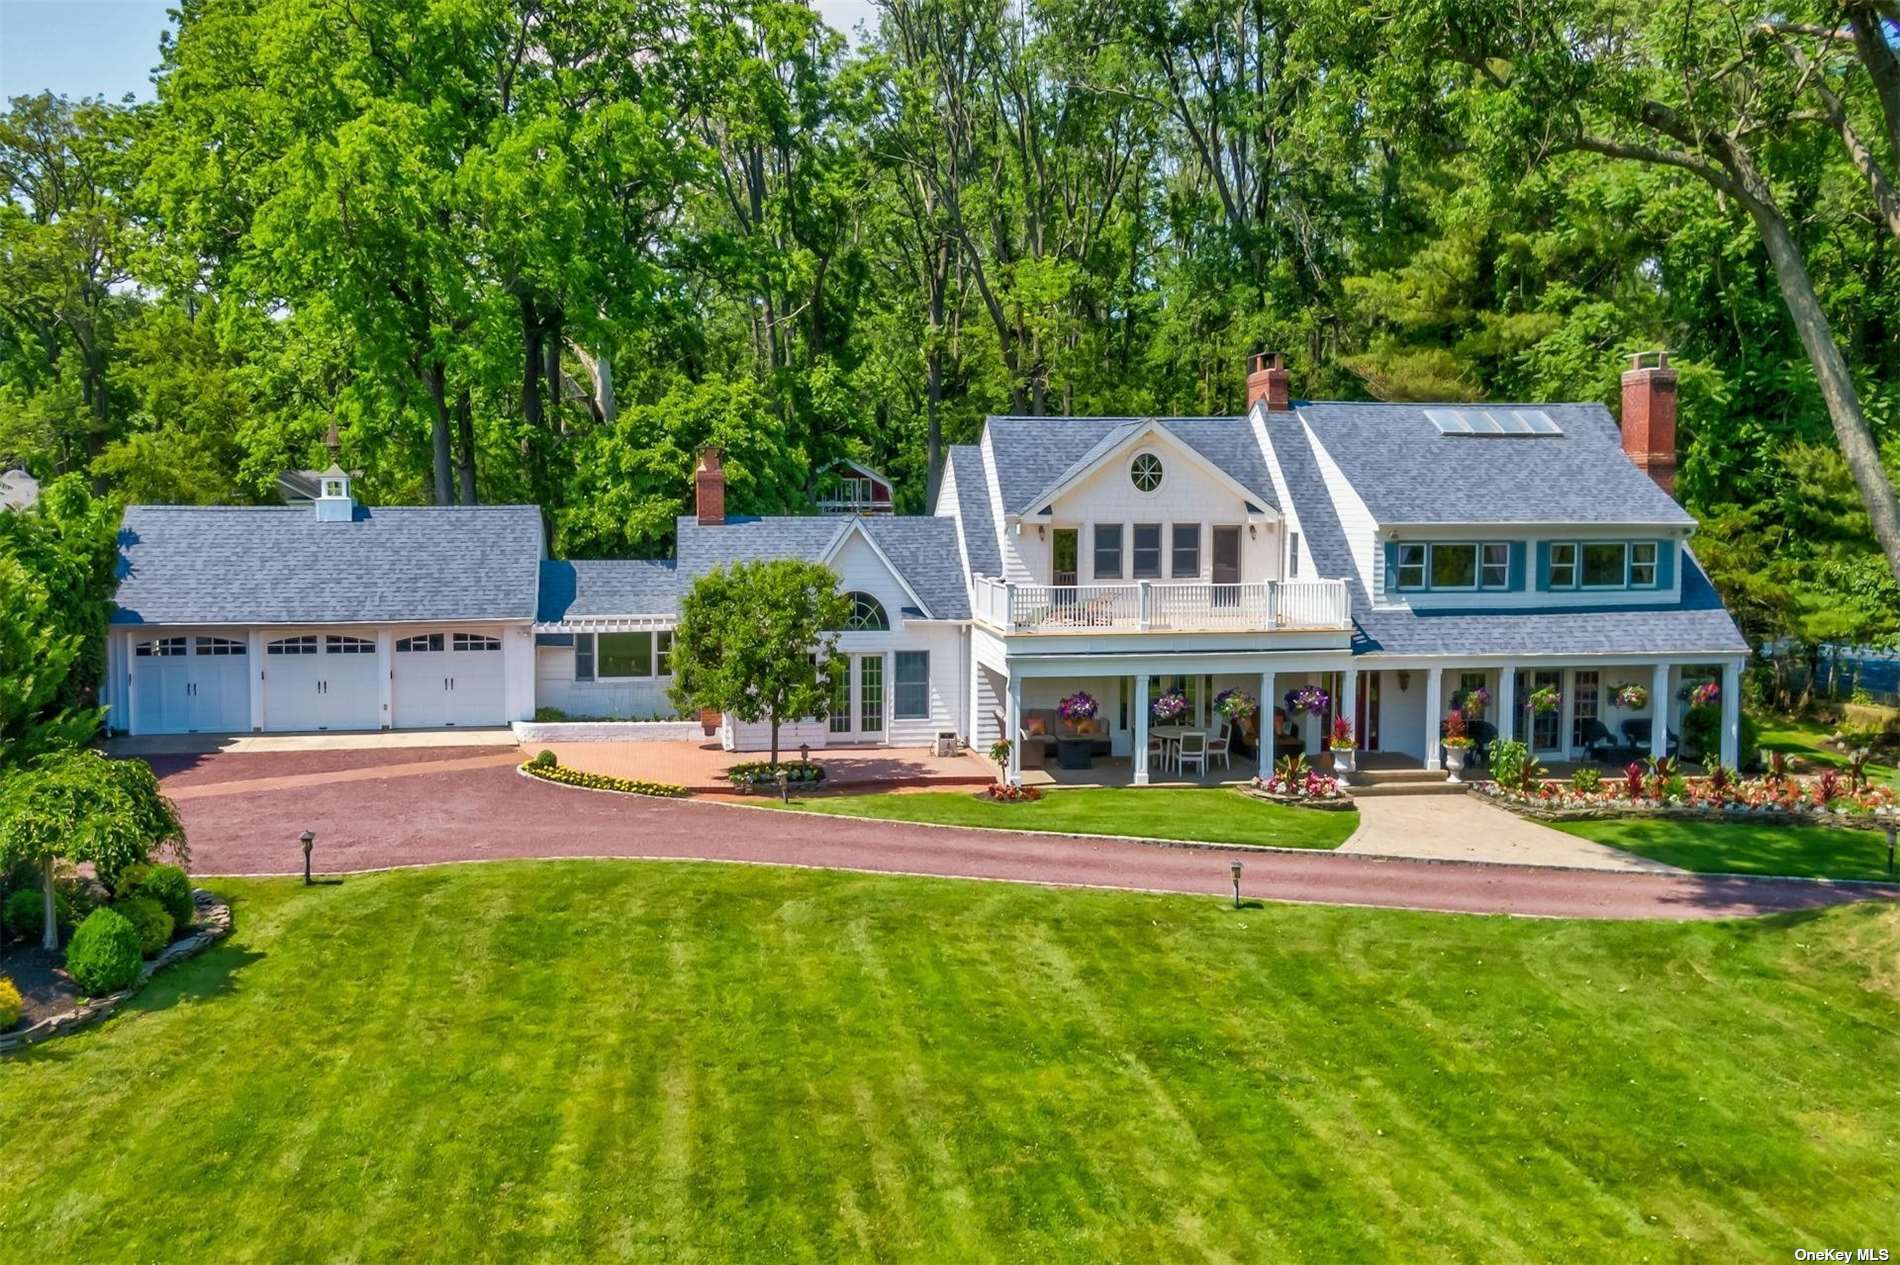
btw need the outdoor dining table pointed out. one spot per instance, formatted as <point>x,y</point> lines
<point>1171,736</point>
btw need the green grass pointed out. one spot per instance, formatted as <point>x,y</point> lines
<point>588,1060</point>
<point>1802,738</point>
<point>1741,847</point>
<point>1201,815</point>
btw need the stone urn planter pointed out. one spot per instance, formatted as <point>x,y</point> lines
<point>1454,763</point>
<point>1342,759</point>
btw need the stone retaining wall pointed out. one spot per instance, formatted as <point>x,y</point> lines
<point>213,924</point>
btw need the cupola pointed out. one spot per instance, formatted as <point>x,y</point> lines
<point>334,502</point>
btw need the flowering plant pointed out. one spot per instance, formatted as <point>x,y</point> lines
<point>1705,694</point>
<point>1547,699</point>
<point>1080,705</point>
<point>1474,702</point>
<point>1013,793</point>
<point>1631,697</point>
<point>1307,698</point>
<point>1294,780</point>
<point>1236,704</point>
<point>1170,706</point>
<point>1342,732</point>
<point>1455,736</point>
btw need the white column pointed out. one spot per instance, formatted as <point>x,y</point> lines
<point>1659,709</point>
<point>1732,713</point>
<point>1266,726</point>
<point>385,684</point>
<point>1013,718</point>
<point>1139,757</point>
<point>255,651</point>
<point>1507,701</point>
<point>1309,724</point>
<point>1349,706</point>
<point>1434,713</point>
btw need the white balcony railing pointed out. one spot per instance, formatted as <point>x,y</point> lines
<point>1272,605</point>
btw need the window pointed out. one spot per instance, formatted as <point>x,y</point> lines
<point>1583,707</point>
<point>625,654</point>
<point>1145,472</point>
<point>291,645</point>
<point>911,685</point>
<point>1186,563</point>
<point>1108,551</point>
<point>1454,566</point>
<point>348,645</point>
<point>1147,551</point>
<point>333,487</point>
<point>220,646</point>
<point>867,615</point>
<point>663,653</point>
<point>422,643</point>
<point>1292,554</point>
<point>1563,566</point>
<point>584,656</point>
<point>476,641</point>
<point>1605,565</point>
<point>164,647</point>
<point>1495,563</point>
<point>1643,564</point>
<point>1411,567</point>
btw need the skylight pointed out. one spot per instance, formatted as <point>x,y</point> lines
<point>1520,422</point>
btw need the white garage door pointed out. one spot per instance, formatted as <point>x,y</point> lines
<point>321,681</point>
<point>448,679</point>
<point>190,685</point>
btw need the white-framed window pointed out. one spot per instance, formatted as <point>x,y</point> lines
<point>306,644</point>
<point>475,641</point>
<point>1147,552</point>
<point>333,487</point>
<point>1292,555</point>
<point>1146,472</point>
<point>1185,564</point>
<point>1411,568</point>
<point>867,614</point>
<point>1563,565</point>
<point>1494,570</point>
<point>910,685</point>
<point>334,644</point>
<point>1643,572</point>
<point>222,646</point>
<point>421,643</point>
<point>621,656</point>
<point>162,647</point>
<point>1605,564</point>
<point>1108,551</point>
<point>1454,566</point>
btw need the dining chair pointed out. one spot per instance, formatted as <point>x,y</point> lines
<point>1221,748</point>
<point>1193,750</point>
<point>1158,751</point>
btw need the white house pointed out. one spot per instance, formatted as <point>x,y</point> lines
<point>1397,557</point>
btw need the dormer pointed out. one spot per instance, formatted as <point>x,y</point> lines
<point>334,502</point>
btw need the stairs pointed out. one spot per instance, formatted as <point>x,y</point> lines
<point>1380,783</point>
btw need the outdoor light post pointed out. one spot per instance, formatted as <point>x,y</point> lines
<point>784,787</point>
<point>804,753</point>
<point>307,838</point>
<point>1236,869</point>
<point>1892,830</point>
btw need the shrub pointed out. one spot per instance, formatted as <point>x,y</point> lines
<point>24,909</point>
<point>1508,758</point>
<point>549,715</point>
<point>166,884</point>
<point>763,774</point>
<point>1005,793</point>
<point>1586,780</point>
<point>9,1004</point>
<point>544,759</point>
<point>104,955</point>
<point>150,920</point>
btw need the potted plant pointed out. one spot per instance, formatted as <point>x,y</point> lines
<point>1236,705</point>
<point>1631,697</point>
<point>1078,711</point>
<point>1546,699</point>
<point>1307,698</point>
<point>1342,745</point>
<point>1169,708</point>
<point>1474,703</point>
<point>1457,743</point>
<point>1705,694</point>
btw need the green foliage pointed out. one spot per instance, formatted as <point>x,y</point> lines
<point>544,760</point>
<point>26,907</point>
<point>1509,760</point>
<point>568,776</point>
<point>10,1005</point>
<point>150,920</point>
<point>1587,780</point>
<point>105,952</point>
<point>763,774</point>
<point>167,884</point>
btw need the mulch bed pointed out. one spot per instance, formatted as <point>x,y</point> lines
<point>45,988</point>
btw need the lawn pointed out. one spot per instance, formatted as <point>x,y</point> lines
<point>586,1060</point>
<point>1802,738</point>
<point>1202,815</point>
<point>1740,847</point>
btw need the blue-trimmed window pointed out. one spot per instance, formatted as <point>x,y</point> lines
<point>1607,565</point>
<point>1455,566</point>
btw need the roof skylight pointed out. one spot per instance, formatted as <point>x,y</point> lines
<point>1517,422</point>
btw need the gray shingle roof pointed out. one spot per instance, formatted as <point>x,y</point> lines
<point>973,507</point>
<point>923,549</point>
<point>581,590</point>
<point>1696,624</point>
<point>241,565</point>
<point>1034,455</point>
<point>1406,472</point>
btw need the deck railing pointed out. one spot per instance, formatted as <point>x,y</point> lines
<point>1270,605</point>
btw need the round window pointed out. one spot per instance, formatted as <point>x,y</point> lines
<point>1146,472</point>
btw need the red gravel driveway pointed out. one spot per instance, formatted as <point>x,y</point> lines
<point>243,814</point>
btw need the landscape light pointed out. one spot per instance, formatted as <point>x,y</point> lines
<point>308,838</point>
<point>1236,869</point>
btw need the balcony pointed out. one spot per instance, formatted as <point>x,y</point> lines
<point>1270,606</point>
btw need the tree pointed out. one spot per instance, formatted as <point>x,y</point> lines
<point>78,805</point>
<point>57,565</point>
<point>759,641</point>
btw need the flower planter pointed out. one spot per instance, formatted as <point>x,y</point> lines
<point>1454,764</point>
<point>1342,759</point>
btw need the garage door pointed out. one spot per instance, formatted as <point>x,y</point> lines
<point>321,681</point>
<point>190,685</point>
<point>444,679</point>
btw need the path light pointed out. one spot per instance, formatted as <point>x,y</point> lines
<point>308,838</point>
<point>1892,831</point>
<point>1236,868</point>
<point>784,786</point>
<point>804,753</point>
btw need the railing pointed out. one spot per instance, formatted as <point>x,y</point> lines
<point>1150,607</point>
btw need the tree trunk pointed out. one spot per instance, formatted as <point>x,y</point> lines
<point>435,377</point>
<point>551,363</point>
<point>49,925</point>
<point>465,436</point>
<point>531,364</point>
<point>600,371</point>
<point>775,737</point>
<point>933,431</point>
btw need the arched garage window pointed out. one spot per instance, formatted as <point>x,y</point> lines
<point>867,615</point>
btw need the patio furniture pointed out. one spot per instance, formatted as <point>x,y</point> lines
<point>1192,750</point>
<point>1219,748</point>
<point>1636,734</point>
<point>1158,751</point>
<point>1597,741</point>
<point>1482,734</point>
<point>1075,752</point>
<point>1043,731</point>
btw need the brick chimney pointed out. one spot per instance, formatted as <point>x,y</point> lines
<point>1649,417</point>
<point>709,490</point>
<point>1267,380</point>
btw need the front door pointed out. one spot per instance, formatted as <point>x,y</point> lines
<point>1545,728</point>
<point>857,700</point>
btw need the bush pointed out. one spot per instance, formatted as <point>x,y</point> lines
<point>1586,780</point>
<point>9,1004</point>
<point>544,760</point>
<point>24,910</point>
<point>165,884</point>
<point>1508,758</point>
<point>550,715</point>
<point>150,920</point>
<point>763,774</point>
<point>104,955</point>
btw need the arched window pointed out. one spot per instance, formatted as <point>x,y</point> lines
<point>867,615</point>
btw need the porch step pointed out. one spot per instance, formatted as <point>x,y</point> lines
<point>1386,790</point>
<point>1394,777</point>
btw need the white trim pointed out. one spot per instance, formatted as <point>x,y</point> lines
<point>837,546</point>
<point>1144,437</point>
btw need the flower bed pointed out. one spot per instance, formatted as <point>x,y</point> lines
<point>601,781</point>
<point>1010,793</point>
<point>1293,781</point>
<point>1824,800</point>
<point>762,775</point>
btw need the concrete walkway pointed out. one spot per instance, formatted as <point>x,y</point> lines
<point>1465,828</point>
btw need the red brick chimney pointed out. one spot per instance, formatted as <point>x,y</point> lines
<point>1267,380</point>
<point>1649,417</point>
<point>709,490</point>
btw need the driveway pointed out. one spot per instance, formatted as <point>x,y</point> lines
<point>379,808</point>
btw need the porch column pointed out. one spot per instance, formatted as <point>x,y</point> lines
<point>1139,756</point>
<point>1434,713</point>
<point>1349,706</point>
<point>1659,709</point>
<point>1013,717</point>
<point>1267,729</point>
<point>1732,713</point>
<point>1507,701</point>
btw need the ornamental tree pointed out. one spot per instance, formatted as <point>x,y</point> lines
<point>78,805</point>
<point>759,640</point>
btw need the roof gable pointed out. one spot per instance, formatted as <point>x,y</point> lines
<point>1037,454</point>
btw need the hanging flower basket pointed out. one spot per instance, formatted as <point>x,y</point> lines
<point>1547,699</point>
<point>1631,697</point>
<point>1080,705</point>
<point>1474,702</point>
<point>1170,707</point>
<point>1236,704</point>
<point>1705,694</point>
<point>1308,698</point>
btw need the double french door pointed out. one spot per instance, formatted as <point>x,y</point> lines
<point>857,700</point>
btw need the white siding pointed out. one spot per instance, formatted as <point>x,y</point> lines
<point>555,686</point>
